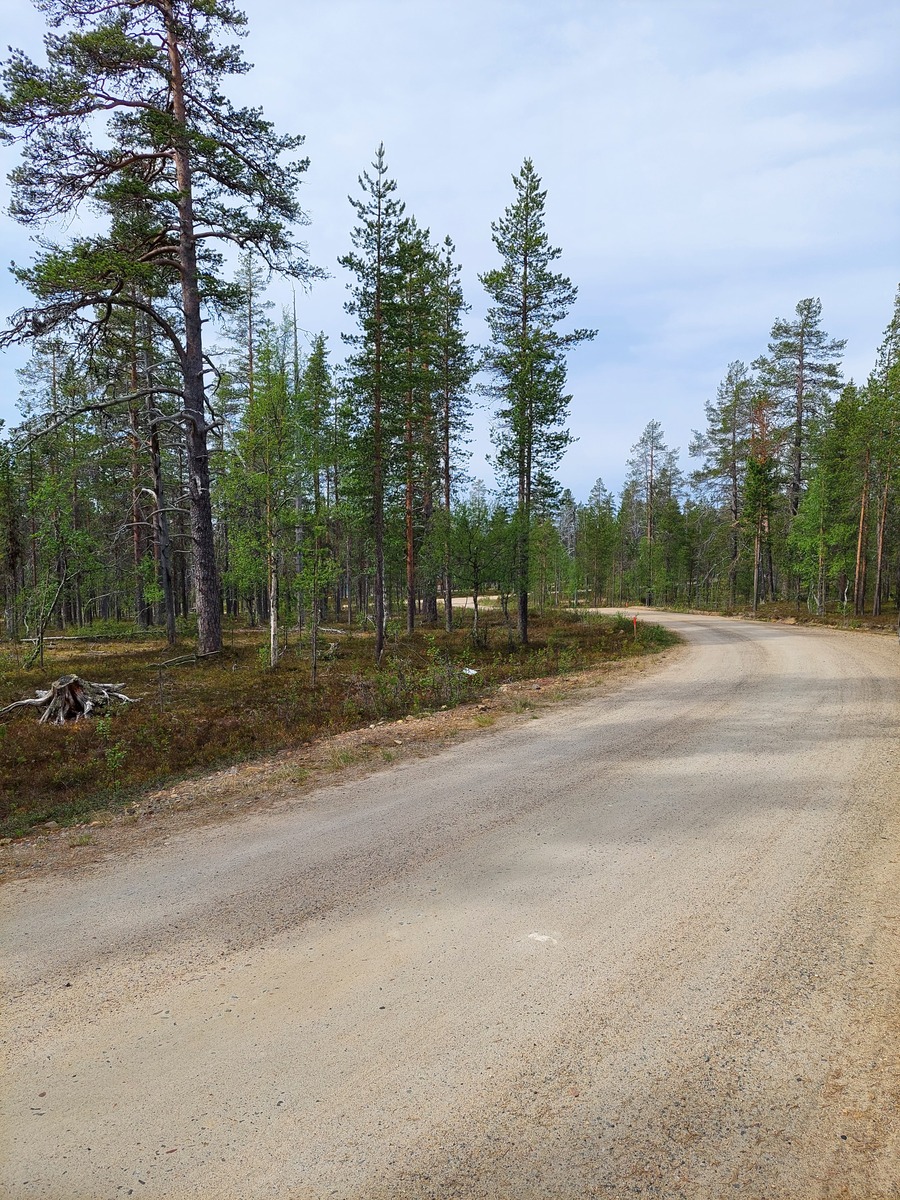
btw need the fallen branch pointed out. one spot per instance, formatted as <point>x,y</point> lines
<point>92,637</point>
<point>70,698</point>
<point>180,661</point>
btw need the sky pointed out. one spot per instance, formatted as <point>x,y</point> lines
<point>708,163</point>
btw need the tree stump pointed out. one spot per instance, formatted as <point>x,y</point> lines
<point>71,698</point>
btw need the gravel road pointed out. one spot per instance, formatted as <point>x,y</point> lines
<point>644,945</point>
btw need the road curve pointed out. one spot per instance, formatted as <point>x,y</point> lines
<point>646,944</point>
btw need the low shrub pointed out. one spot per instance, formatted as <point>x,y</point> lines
<point>228,708</point>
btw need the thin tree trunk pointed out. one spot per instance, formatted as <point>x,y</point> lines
<point>409,528</point>
<point>377,452</point>
<point>820,580</point>
<point>735,518</point>
<point>429,597</point>
<point>161,534</point>
<point>274,649</point>
<point>524,464</point>
<point>379,583</point>
<point>879,539</point>
<point>757,540</point>
<point>272,594</point>
<point>314,615</point>
<point>137,515</point>
<point>447,482</point>
<point>859,576</point>
<point>799,414</point>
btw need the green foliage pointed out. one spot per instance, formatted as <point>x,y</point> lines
<point>801,373</point>
<point>337,494</point>
<point>527,359</point>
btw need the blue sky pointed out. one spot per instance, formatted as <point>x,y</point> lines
<point>708,162</point>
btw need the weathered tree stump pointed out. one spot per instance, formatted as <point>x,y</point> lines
<point>71,698</point>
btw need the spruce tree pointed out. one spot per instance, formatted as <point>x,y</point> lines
<point>527,358</point>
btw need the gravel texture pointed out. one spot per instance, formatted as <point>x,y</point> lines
<point>645,945</point>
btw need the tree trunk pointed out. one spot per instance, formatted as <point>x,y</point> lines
<point>273,607</point>
<point>859,576</point>
<point>757,547</point>
<point>137,515</point>
<point>409,529</point>
<point>206,579</point>
<point>447,482</point>
<point>799,414</point>
<point>161,527</point>
<point>879,540</point>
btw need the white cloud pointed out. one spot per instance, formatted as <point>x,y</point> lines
<point>708,165</point>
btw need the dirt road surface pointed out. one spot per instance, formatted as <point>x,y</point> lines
<point>644,945</point>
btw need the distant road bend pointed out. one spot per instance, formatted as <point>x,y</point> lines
<point>645,945</point>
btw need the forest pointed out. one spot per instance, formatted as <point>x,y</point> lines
<point>184,455</point>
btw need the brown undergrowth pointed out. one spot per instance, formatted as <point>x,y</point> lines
<point>201,716</point>
<point>835,616</point>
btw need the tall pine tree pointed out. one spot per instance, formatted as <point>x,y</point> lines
<point>527,358</point>
<point>801,373</point>
<point>179,168</point>
<point>377,376</point>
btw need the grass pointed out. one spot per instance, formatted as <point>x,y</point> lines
<point>202,716</point>
<point>338,759</point>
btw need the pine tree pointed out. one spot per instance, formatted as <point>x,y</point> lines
<point>654,479</point>
<point>595,541</point>
<point>416,333</point>
<point>11,557</point>
<point>884,391</point>
<point>177,166</point>
<point>377,377</point>
<point>527,358</point>
<point>724,448</point>
<point>760,485</point>
<point>801,373</point>
<point>454,368</point>
<point>319,464</point>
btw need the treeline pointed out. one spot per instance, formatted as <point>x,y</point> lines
<point>158,478</point>
<point>335,493</point>
<point>795,495</point>
<point>284,486</point>
<point>792,496</point>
